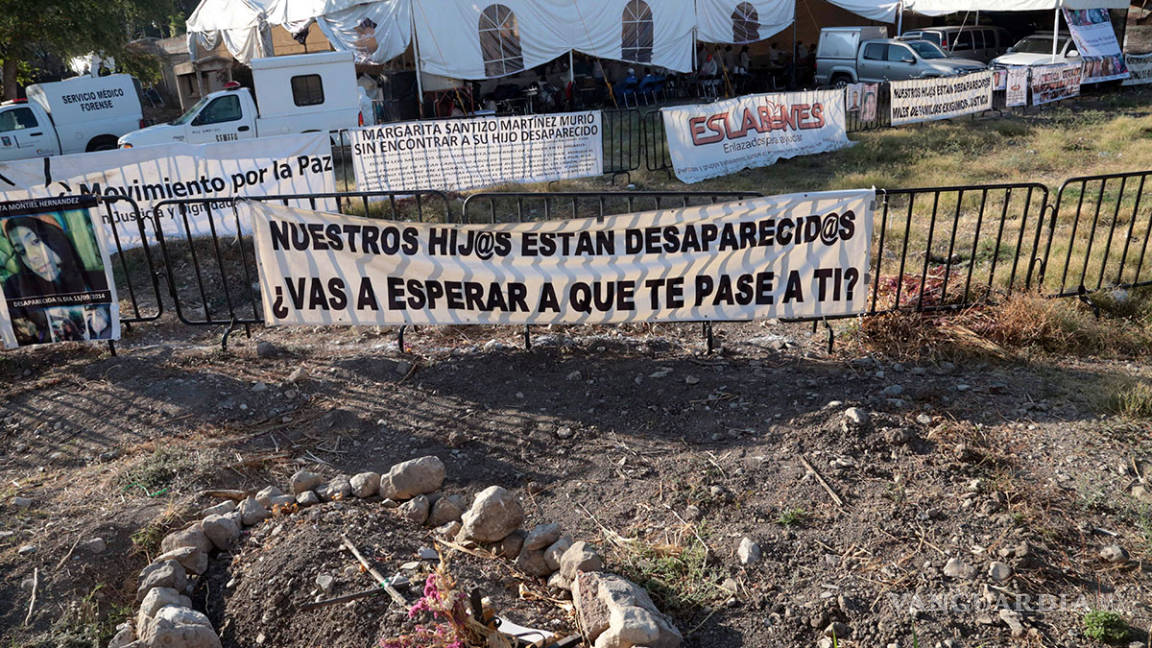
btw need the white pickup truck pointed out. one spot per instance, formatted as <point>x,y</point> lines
<point>296,94</point>
<point>76,115</point>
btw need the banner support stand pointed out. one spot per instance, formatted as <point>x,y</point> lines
<point>416,57</point>
<point>527,337</point>
<point>709,338</point>
<point>112,348</point>
<point>400,337</point>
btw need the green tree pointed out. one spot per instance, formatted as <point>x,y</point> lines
<point>70,28</point>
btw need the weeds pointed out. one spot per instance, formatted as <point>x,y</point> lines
<point>1104,626</point>
<point>792,517</point>
<point>1131,399</point>
<point>677,574</point>
<point>147,539</point>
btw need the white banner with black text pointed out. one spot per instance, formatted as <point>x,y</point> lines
<point>921,100</point>
<point>794,256</point>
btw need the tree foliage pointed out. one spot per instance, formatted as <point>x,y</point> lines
<point>67,28</point>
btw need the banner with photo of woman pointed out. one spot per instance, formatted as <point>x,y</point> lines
<point>55,276</point>
<point>1096,42</point>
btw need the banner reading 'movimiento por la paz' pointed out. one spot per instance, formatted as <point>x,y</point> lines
<point>710,140</point>
<point>785,256</point>
<point>206,173</point>
<point>457,154</point>
<point>920,100</point>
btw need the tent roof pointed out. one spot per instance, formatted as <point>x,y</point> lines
<point>287,12</point>
<point>216,15</point>
<point>882,10</point>
<point>940,7</point>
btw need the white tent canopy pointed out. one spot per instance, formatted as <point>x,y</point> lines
<point>741,21</point>
<point>941,7</point>
<point>295,12</point>
<point>619,30</point>
<point>376,32</point>
<point>241,23</point>
<point>881,10</point>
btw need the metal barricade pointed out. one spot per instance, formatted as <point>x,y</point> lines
<point>950,247</point>
<point>621,141</point>
<point>655,142</point>
<point>211,265</point>
<point>133,268</point>
<point>883,111</point>
<point>518,207</point>
<point>1098,235</point>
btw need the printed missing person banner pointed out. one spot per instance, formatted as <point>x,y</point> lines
<point>1139,69</point>
<point>1016,92</point>
<point>291,164</point>
<point>804,255</point>
<point>56,277</point>
<point>1097,44</point>
<point>1054,82</point>
<point>920,100</point>
<point>458,154</point>
<point>711,140</point>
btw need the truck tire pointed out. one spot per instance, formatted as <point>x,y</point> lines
<point>840,80</point>
<point>102,143</point>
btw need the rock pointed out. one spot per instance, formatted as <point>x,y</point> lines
<point>557,581</point>
<point>415,510</point>
<point>1011,618</point>
<point>123,637</point>
<point>192,559</point>
<point>324,582</point>
<point>1142,494</point>
<point>617,613</point>
<point>748,552</point>
<point>855,418</point>
<point>692,513</point>
<point>223,508</point>
<point>335,490</point>
<point>1114,554</point>
<point>511,545</point>
<point>222,530</point>
<point>161,574</point>
<point>26,549</point>
<point>449,508</point>
<point>923,419</point>
<point>304,480</point>
<point>532,562</point>
<point>580,557</point>
<point>427,553</point>
<point>449,530</point>
<point>412,478</point>
<point>955,568</point>
<point>179,628</point>
<point>365,484</point>
<point>297,374</point>
<point>278,502</point>
<point>252,512</point>
<point>193,536</point>
<point>389,503</point>
<point>156,598</point>
<point>268,350</point>
<point>94,546</point>
<point>265,495</point>
<point>22,503</point>
<point>494,514</point>
<point>898,436</point>
<point>838,630</point>
<point>307,498</point>
<point>555,551</point>
<point>542,535</point>
<point>999,572</point>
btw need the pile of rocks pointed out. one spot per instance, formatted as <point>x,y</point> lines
<point>614,612</point>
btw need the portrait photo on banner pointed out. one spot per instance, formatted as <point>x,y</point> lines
<point>54,273</point>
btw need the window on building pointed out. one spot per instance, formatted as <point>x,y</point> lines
<point>307,90</point>
<point>638,32</point>
<point>500,41</point>
<point>745,23</point>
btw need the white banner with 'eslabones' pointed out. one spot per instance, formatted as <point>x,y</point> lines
<point>804,255</point>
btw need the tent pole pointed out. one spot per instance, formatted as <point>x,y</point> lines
<point>416,56</point>
<point>571,69</point>
<point>900,21</point>
<point>1056,32</point>
<point>795,58</point>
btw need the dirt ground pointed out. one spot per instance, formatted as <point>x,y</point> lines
<point>632,438</point>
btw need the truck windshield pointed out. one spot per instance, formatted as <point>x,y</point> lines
<point>927,50</point>
<point>187,117</point>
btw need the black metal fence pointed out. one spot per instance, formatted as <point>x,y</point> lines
<point>1098,235</point>
<point>655,141</point>
<point>621,141</point>
<point>881,111</point>
<point>134,269</point>
<point>211,266</point>
<point>519,207</point>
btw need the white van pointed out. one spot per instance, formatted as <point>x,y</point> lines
<point>72,116</point>
<point>301,93</point>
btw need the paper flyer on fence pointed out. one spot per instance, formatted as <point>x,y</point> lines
<point>711,140</point>
<point>804,255</point>
<point>56,276</point>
